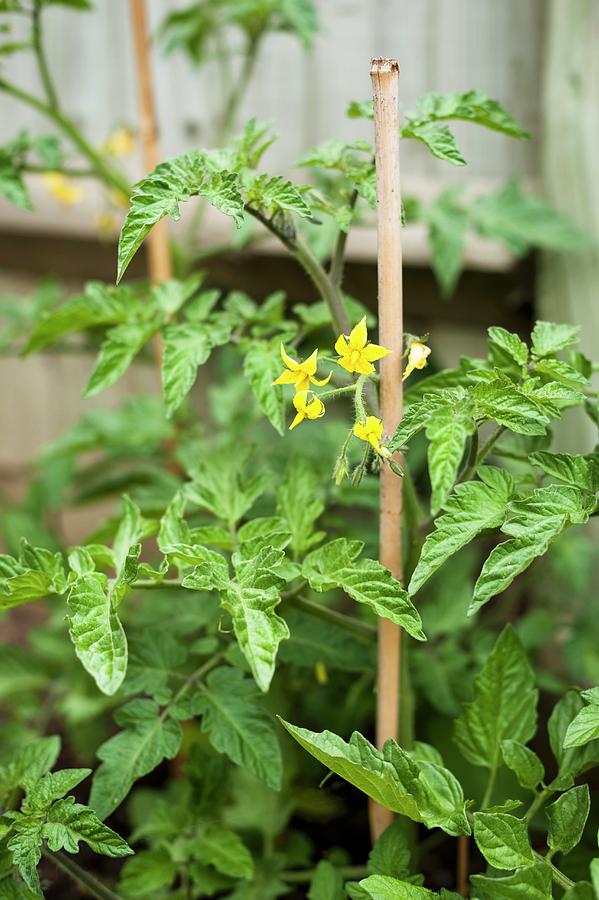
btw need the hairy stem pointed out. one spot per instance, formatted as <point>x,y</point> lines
<point>539,800</point>
<point>356,626</point>
<point>338,255</point>
<point>80,876</point>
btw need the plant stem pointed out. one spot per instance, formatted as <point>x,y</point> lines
<point>63,170</point>
<point>361,629</point>
<point>486,801</point>
<point>304,876</point>
<point>474,463</point>
<point>40,55</point>
<point>556,874</point>
<point>104,171</point>
<point>239,89</point>
<point>539,800</point>
<point>338,255</point>
<point>80,876</point>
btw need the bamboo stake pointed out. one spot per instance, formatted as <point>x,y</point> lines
<point>385,84</point>
<point>462,867</point>
<point>159,254</point>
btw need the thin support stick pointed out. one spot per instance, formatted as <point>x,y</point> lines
<point>159,254</point>
<point>385,84</point>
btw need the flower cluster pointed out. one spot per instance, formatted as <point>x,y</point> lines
<point>357,355</point>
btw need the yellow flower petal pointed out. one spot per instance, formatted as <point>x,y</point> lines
<point>346,363</point>
<point>311,364</point>
<point>286,377</point>
<point>359,335</point>
<point>374,351</point>
<point>299,418</point>
<point>341,345</point>
<point>288,360</point>
<point>303,381</point>
<point>320,382</point>
<point>409,369</point>
<point>362,366</point>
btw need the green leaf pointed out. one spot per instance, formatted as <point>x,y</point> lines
<point>24,845</point>
<point>510,343</point>
<point>171,183</point>
<point>258,629</point>
<point>548,338</point>
<point>391,854</point>
<point>447,432</point>
<point>148,738</point>
<point>472,507</point>
<point>224,850</point>
<point>383,887</point>
<point>261,367</point>
<point>523,222</point>
<point>29,764</point>
<point>314,641</point>
<point>503,840</point>
<point>12,186</point>
<point>121,346</point>
<point>525,764</point>
<point>364,580</point>
<point>148,871</point>
<point>99,304</point>
<point>186,347</point>
<point>530,883</point>
<point>52,787</point>
<point>273,194</point>
<point>128,533</point>
<point>504,705</point>
<point>584,727</point>
<point>533,523</point>
<point>420,413</point>
<point>567,818</point>
<point>505,403</point>
<point>578,471</point>
<point>581,891</point>
<point>222,485</point>
<point>327,883</point>
<point>472,106</point>
<point>238,725</point>
<point>153,657</point>
<point>96,632</point>
<point>439,140</point>
<point>421,790</point>
<point>357,110</point>
<point>572,761</point>
<point>68,823</point>
<point>300,503</point>
<point>447,223</point>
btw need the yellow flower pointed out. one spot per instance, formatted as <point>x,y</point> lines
<point>64,191</point>
<point>356,354</point>
<point>119,142</point>
<point>308,406</point>
<point>370,430</point>
<point>417,355</point>
<point>300,374</point>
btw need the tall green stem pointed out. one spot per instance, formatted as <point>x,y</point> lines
<point>40,54</point>
<point>109,175</point>
<point>80,876</point>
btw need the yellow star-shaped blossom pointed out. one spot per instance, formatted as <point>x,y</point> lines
<point>301,374</point>
<point>370,430</point>
<point>417,356</point>
<point>308,406</point>
<point>355,353</point>
<point>64,191</point>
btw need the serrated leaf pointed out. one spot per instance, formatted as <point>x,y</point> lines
<point>29,764</point>
<point>238,725</point>
<point>391,853</point>
<point>68,822</point>
<point>146,872</point>
<point>471,106</point>
<point>224,850</point>
<point>300,503</point>
<point>153,657</point>
<point>572,761</point>
<point>533,523</point>
<point>258,629</point>
<point>530,883</point>
<point>95,629</point>
<point>472,507</point>
<point>438,139</point>
<point>12,186</point>
<point>383,887</point>
<point>505,403</point>
<point>24,845</point>
<point>364,580</point>
<point>419,413</point>
<point>510,343</point>
<point>52,787</point>
<point>548,338</point>
<point>504,704</point>
<point>422,791</point>
<point>186,347</point>
<point>583,728</point>
<point>523,762</point>
<point>272,194</point>
<point>447,223</point>
<point>148,738</point>
<point>447,432</point>
<point>503,840</point>
<point>567,817</point>
<point>578,471</point>
<point>261,367</point>
<point>121,346</point>
<point>171,183</point>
